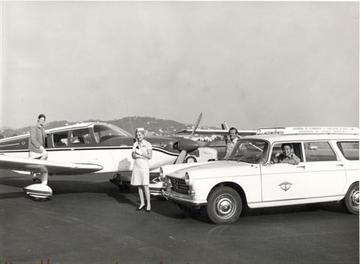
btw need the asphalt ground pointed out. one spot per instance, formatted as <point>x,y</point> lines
<point>89,221</point>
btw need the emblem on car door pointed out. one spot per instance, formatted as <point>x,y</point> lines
<point>285,186</point>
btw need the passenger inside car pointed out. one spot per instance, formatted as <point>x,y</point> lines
<point>287,155</point>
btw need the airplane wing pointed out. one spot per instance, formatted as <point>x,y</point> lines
<point>204,132</point>
<point>242,132</point>
<point>52,167</point>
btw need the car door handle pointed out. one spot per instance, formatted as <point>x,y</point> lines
<point>301,166</point>
<point>340,165</point>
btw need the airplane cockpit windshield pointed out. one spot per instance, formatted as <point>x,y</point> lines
<point>250,151</point>
<point>103,132</point>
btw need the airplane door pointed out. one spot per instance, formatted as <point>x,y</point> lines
<point>83,150</point>
<point>77,146</point>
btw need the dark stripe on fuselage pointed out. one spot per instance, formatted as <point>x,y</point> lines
<point>10,145</point>
<point>90,148</point>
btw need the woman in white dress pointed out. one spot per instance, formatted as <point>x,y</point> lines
<point>141,153</point>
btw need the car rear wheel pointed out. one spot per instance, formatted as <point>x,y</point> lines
<point>224,205</point>
<point>351,199</point>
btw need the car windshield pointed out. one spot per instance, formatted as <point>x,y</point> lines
<point>250,151</point>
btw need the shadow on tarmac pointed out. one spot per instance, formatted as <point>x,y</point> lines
<point>160,206</point>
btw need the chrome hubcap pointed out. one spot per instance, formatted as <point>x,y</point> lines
<point>355,197</point>
<point>225,206</point>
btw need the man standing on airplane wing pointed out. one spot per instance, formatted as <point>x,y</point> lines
<point>37,145</point>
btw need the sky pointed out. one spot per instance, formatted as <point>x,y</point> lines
<point>252,64</point>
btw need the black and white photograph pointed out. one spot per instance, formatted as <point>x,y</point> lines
<point>179,132</point>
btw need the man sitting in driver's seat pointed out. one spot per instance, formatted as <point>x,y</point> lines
<point>287,155</point>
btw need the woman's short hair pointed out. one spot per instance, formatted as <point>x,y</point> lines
<point>141,130</point>
<point>41,116</point>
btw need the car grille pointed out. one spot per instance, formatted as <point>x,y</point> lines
<point>179,186</point>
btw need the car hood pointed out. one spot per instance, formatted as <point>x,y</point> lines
<point>224,168</point>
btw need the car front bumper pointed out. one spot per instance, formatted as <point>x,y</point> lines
<point>182,198</point>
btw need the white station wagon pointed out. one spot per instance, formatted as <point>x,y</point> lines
<point>328,170</point>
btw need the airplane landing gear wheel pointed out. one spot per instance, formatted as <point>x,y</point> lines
<point>123,186</point>
<point>38,192</point>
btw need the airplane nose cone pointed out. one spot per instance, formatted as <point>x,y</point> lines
<point>186,144</point>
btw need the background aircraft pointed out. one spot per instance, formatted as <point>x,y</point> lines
<point>212,138</point>
<point>196,133</point>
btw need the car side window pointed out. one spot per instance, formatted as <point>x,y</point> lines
<point>350,149</point>
<point>60,139</point>
<point>276,151</point>
<point>319,151</point>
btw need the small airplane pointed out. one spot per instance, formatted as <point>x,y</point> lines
<point>85,148</point>
<point>195,133</point>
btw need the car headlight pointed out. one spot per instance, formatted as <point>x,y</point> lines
<point>187,178</point>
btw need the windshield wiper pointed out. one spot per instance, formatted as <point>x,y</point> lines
<point>256,147</point>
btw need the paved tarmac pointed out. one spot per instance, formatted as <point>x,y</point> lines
<point>89,221</point>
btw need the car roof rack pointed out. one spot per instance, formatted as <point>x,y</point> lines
<point>308,130</point>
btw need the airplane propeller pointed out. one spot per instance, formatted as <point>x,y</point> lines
<point>187,145</point>
<point>196,125</point>
<point>224,126</point>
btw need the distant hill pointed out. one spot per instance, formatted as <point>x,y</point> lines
<point>154,125</point>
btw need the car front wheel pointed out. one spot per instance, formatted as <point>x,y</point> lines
<point>351,199</point>
<point>224,205</point>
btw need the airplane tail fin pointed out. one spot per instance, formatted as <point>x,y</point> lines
<point>224,126</point>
